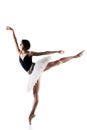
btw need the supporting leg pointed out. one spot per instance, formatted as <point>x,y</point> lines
<point>36,99</point>
<point>62,60</point>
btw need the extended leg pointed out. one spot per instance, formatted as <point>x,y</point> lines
<point>63,60</point>
<point>35,93</point>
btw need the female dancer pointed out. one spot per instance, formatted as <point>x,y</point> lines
<point>25,58</point>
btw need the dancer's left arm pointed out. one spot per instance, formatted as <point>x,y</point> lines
<point>46,53</point>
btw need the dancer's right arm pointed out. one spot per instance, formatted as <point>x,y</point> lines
<point>15,39</point>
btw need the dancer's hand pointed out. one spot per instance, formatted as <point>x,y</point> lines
<point>61,51</point>
<point>9,28</point>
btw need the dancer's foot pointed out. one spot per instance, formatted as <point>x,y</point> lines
<point>79,54</point>
<point>31,117</point>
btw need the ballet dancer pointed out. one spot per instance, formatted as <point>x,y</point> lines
<point>25,58</point>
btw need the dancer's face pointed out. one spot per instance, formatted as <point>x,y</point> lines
<point>21,46</point>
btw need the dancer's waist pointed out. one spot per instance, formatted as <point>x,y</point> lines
<point>31,68</point>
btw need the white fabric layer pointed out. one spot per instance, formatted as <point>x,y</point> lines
<point>37,71</point>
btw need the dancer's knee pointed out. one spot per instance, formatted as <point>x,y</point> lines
<point>35,94</point>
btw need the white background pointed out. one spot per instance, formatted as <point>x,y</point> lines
<point>49,25</point>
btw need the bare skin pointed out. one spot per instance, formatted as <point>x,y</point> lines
<point>22,52</point>
<point>36,99</point>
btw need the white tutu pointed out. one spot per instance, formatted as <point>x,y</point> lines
<point>37,71</point>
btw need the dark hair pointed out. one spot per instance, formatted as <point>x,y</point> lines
<point>26,44</point>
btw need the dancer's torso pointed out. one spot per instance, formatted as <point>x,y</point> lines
<point>26,62</point>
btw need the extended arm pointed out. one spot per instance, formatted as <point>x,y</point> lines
<point>15,39</point>
<point>46,53</point>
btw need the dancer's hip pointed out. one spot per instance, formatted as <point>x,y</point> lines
<point>31,68</point>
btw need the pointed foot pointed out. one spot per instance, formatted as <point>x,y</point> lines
<point>79,54</point>
<point>31,117</point>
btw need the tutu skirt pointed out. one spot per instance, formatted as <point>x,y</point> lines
<point>37,71</point>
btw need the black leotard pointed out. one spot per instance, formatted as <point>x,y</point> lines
<point>26,62</point>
